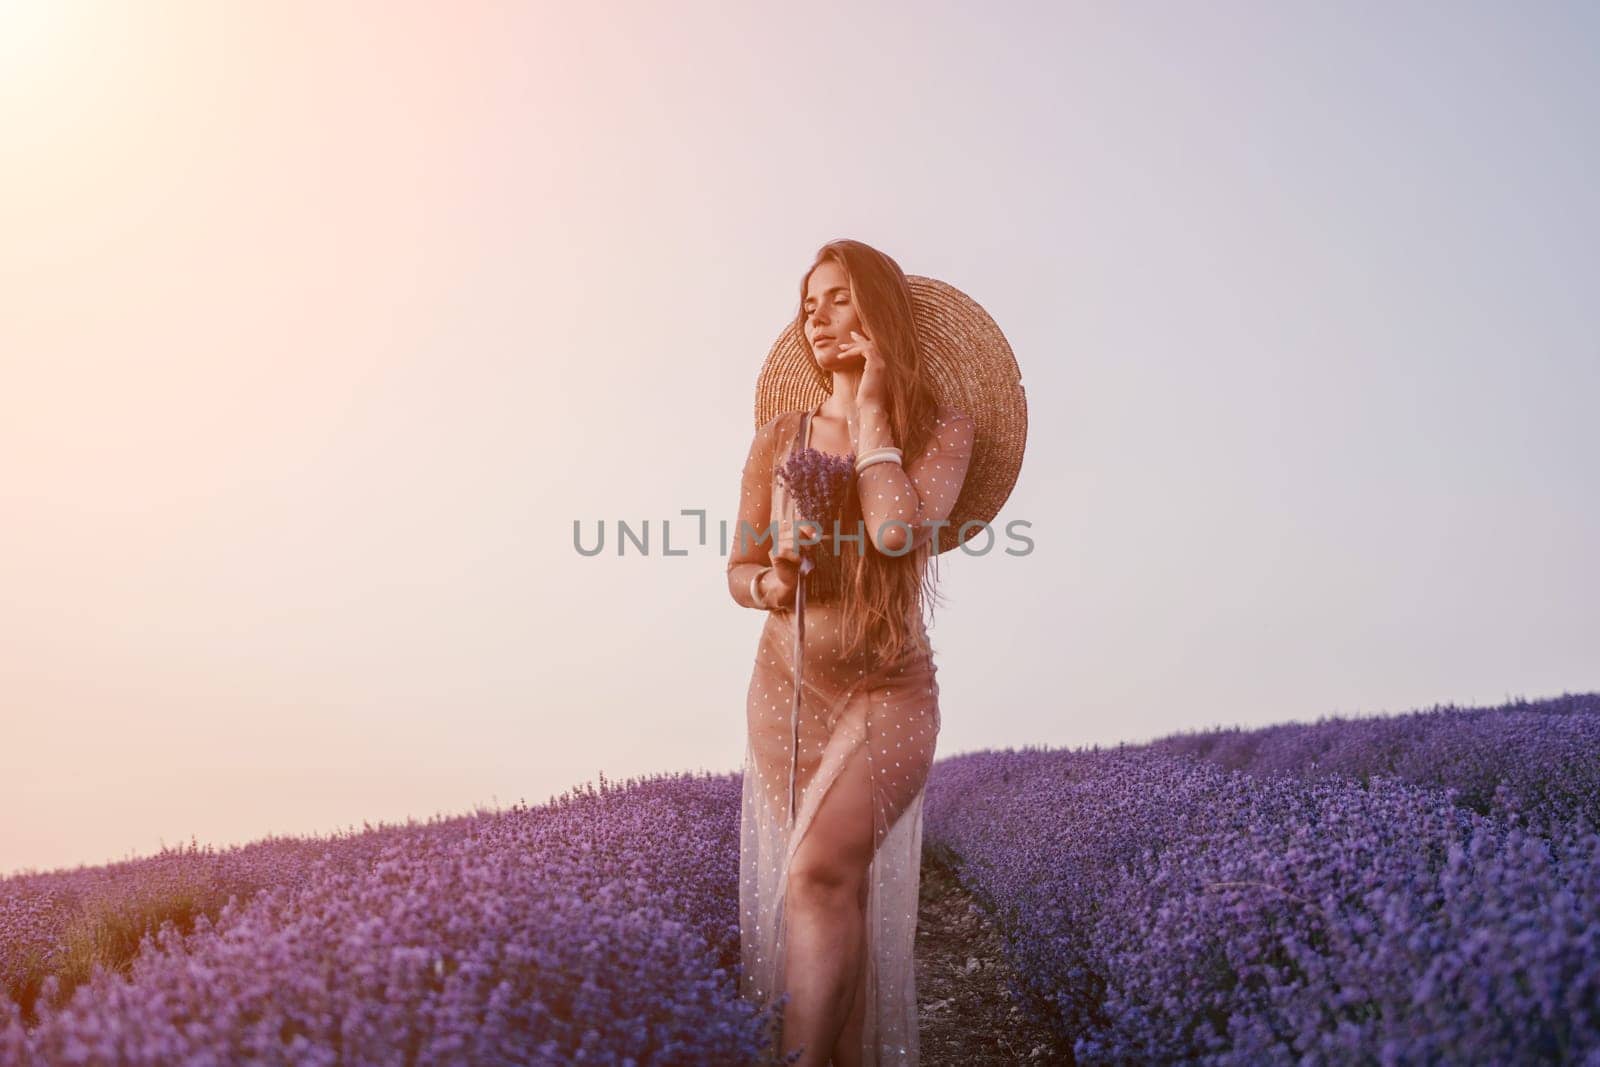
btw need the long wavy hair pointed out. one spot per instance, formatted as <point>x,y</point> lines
<point>884,597</point>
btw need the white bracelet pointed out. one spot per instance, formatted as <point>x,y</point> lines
<point>886,454</point>
<point>755,588</point>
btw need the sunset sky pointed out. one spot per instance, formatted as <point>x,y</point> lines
<point>320,324</point>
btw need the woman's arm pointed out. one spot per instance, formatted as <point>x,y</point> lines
<point>752,536</point>
<point>923,494</point>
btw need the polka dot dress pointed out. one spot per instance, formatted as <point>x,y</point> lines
<point>882,715</point>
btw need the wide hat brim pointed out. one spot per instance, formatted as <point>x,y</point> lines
<point>970,367</point>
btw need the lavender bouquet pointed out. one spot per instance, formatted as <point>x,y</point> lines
<point>818,481</point>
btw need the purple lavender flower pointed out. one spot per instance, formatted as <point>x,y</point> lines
<point>818,481</point>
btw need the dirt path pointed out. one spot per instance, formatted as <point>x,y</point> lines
<point>967,1015</point>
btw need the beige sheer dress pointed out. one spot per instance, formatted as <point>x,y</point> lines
<point>888,712</point>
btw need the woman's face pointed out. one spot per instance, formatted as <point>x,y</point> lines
<point>830,315</point>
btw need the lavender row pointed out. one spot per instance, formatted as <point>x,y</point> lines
<point>1162,909</point>
<point>64,922</point>
<point>601,928</point>
<point>1537,763</point>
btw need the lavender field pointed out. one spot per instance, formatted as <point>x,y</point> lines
<point>1419,888</point>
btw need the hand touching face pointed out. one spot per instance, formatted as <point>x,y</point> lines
<point>874,386</point>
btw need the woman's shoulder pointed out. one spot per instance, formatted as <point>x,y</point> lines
<point>952,431</point>
<point>952,426</point>
<point>783,421</point>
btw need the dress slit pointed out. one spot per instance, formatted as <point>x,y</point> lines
<point>838,749</point>
<point>889,717</point>
<point>893,874</point>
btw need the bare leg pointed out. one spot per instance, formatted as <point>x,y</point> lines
<point>847,1050</point>
<point>826,923</point>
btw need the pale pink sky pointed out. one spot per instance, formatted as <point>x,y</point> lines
<point>320,324</point>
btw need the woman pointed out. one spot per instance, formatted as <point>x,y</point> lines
<point>828,889</point>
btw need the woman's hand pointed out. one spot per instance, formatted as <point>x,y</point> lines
<point>785,557</point>
<point>873,388</point>
<point>777,586</point>
<point>792,536</point>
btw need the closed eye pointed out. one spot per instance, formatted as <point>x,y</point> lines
<point>811,309</point>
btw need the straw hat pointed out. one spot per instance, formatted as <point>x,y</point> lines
<point>969,366</point>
